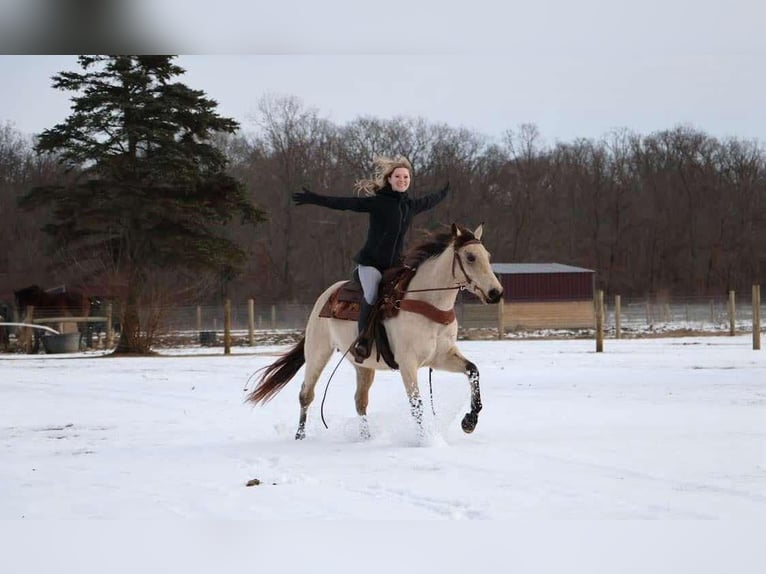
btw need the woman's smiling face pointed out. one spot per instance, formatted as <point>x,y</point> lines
<point>399,180</point>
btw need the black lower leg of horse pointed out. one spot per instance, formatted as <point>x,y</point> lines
<point>416,408</point>
<point>364,428</point>
<point>300,434</point>
<point>472,418</point>
<point>305,401</point>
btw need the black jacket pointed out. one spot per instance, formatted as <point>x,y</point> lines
<point>391,214</point>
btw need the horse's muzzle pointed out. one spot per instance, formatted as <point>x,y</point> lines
<point>494,295</point>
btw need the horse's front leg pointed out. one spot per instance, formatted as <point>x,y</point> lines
<point>409,374</point>
<point>453,361</point>
<point>472,418</point>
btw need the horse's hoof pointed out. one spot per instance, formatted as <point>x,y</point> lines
<point>300,435</point>
<point>469,422</point>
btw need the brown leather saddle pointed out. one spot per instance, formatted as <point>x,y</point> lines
<point>345,301</point>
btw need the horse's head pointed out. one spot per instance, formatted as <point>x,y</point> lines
<point>472,263</point>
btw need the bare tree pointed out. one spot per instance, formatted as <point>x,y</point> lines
<point>24,258</point>
<point>297,149</point>
<point>676,211</point>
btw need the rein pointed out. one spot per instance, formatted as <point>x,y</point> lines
<point>327,386</point>
<point>426,309</point>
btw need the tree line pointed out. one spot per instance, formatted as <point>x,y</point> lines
<point>677,211</point>
<point>673,212</point>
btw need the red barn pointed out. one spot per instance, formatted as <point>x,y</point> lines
<point>546,295</point>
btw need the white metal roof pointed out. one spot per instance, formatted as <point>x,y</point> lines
<point>536,268</point>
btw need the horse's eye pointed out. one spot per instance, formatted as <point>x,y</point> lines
<point>471,258</point>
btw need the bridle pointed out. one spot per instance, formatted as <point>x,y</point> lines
<point>456,259</point>
<point>459,260</point>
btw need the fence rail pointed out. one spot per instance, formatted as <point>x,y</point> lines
<point>693,313</point>
<point>699,313</point>
<point>251,323</point>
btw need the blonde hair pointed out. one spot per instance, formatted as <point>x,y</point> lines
<point>383,168</point>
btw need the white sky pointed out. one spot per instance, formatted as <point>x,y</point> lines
<point>574,69</point>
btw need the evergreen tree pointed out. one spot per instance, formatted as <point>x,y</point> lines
<point>148,190</point>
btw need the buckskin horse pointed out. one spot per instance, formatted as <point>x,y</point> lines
<point>419,319</point>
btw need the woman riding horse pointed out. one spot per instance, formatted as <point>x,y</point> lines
<point>391,211</point>
<point>422,334</point>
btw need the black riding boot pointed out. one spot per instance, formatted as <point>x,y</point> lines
<point>363,345</point>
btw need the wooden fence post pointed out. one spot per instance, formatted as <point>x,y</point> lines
<point>227,327</point>
<point>501,319</point>
<point>27,333</point>
<point>756,317</point>
<point>199,319</point>
<point>251,322</point>
<point>273,316</point>
<point>732,314</point>
<point>599,321</point>
<point>109,329</point>
<point>617,317</point>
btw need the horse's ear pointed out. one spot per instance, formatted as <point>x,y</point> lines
<point>455,231</point>
<point>478,231</point>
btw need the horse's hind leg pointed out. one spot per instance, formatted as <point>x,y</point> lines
<point>316,359</point>
<point>364,378</point>
<point>453,361</point>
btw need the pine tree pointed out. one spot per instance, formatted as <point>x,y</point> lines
<point>148,190</point>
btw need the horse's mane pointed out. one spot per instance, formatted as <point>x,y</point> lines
<point>433,243</point>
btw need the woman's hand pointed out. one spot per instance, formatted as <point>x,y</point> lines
<point>304,196</point>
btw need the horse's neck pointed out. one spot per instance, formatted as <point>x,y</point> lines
<point>436,273</point>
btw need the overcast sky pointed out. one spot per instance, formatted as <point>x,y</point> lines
<point>576,69</point>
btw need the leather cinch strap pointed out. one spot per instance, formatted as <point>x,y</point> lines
<point>427,310</point>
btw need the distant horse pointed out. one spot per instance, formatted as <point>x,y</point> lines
<point>422,334</point>
<point>48,304</point>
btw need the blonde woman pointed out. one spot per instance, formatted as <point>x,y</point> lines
<point>391,211</point>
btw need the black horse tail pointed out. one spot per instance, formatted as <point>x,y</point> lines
<point>278,374</point>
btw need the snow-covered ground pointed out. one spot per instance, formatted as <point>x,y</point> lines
<point>651,428</point>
